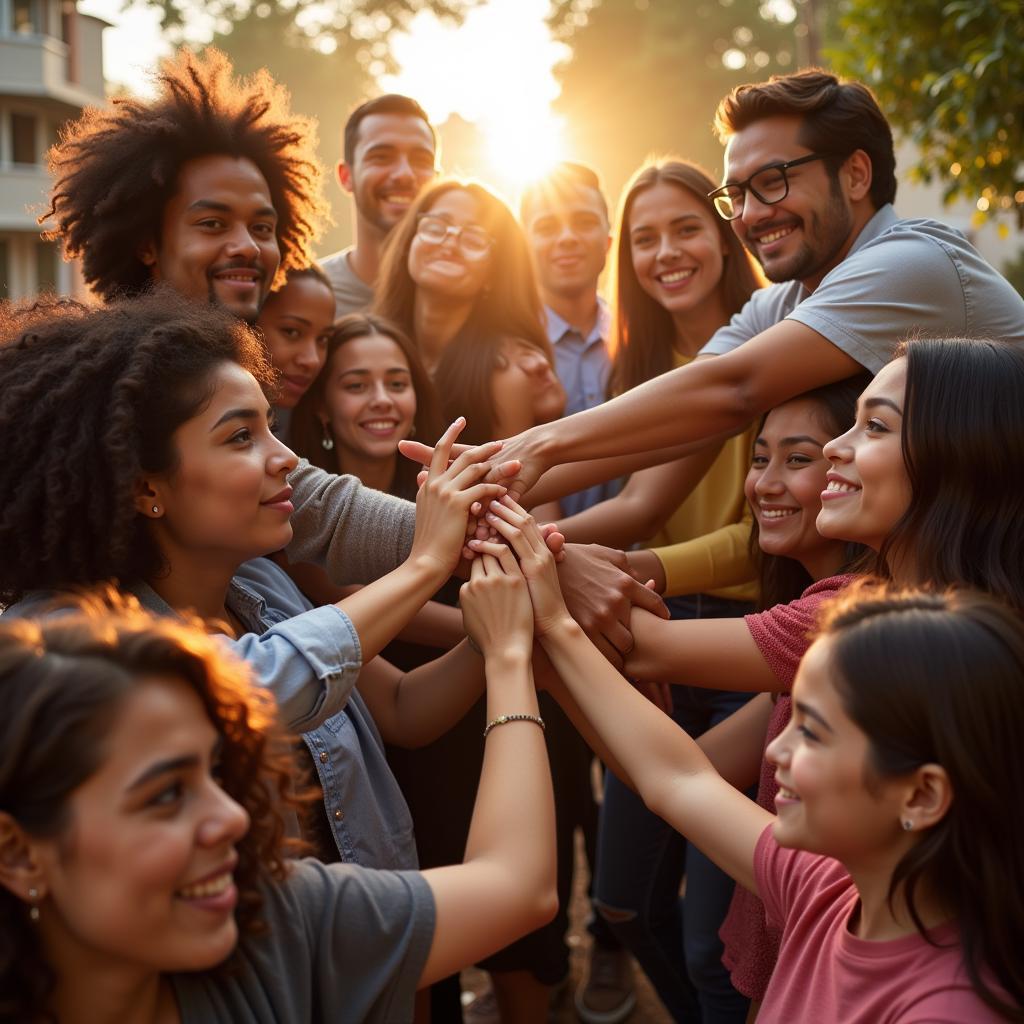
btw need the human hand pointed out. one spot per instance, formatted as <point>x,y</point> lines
<point>496,609</point>
<point>599,591</point>
<point>519,530</point>
<point>443,502</point>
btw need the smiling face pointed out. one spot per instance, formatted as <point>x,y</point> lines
<point>567,229</point>
<point>296,323</point>
<point>142,876</point>
<point>677,252</point>
<point>369,402</point>
<point>227,500</point>
<point>784,485</point>
<point>525,390</point>
<point>444,268</point>
<point>217,236</point>
<point>805,235</point>
<point>822,759</point>
<point>868,488</point>
<point>394,158</point>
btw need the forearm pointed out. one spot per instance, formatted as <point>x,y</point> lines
<point>736,745</point>
<point>646,565</point>
<point>615,523</point>
<point>435,625</point>
<point>430,699</point>
<point>380,610</point>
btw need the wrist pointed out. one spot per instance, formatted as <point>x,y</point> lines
<point>426,571</point>
<point>563,629</point>
<point>506,657</point>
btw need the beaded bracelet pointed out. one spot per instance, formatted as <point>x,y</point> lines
<point>505,719</point>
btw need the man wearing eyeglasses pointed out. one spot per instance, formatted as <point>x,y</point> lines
<point>390,153</point>
<point>809,183</point>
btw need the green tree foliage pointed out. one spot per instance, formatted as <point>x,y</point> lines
<point>646,75</point>
<point>950,76</point>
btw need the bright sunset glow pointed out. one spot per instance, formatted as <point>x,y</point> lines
<point>496,70</point>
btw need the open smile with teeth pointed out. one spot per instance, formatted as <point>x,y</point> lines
<point>778,513</point>
<point>675,276</point>
<point>399,199</point>
<point>204,890</point>
<point>836,487</point>
<point>380,425</point>
<point>774,236</point>
<point>787,794</point>
<point>247,277</point>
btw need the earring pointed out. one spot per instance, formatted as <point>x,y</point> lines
<point>156,510</point>
<point>327,442</point>
<point>908,825</point>
<point>33,910</point>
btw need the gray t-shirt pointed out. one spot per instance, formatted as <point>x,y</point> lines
<point>351,293</point>
<point>345,945</point>
<point>901,277</point>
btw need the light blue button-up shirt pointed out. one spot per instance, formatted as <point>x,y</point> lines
<point>582,365</point>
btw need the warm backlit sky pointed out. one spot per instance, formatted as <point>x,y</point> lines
<point>495,69</point>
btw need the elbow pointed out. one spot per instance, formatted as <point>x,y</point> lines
<point>544,907</point>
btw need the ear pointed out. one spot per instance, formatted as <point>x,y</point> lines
<point>148,495</point>
<point>857,171</point>
<point>21,867</point>
<point>344,176</point>
<point>928,798</point>
<point>147,254</point>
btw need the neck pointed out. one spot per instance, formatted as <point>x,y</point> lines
<point>825,562</point>
<point>862,213</point>
<point>364,259</point>
<point>97,993</point>
<point>878,920</point>
<point>695,327</point>
<point>436,321</point>
<point>378,474</point>
<point>195,582</point>
<point>579,310</point>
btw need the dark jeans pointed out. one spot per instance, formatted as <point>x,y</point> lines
<point>641,861</point>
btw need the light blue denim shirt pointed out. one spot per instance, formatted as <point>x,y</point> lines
<point>310,658</point>
<point>582,365</point>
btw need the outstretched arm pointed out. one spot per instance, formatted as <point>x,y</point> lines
<point>506,886</point>
<point>672,774</point>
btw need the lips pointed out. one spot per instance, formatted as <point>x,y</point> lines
<point>281,497</point>
<point>381,427</point>
<point>212,885</point>
<point>838,487</point>
<point>773,513</point>
<point>238,276</point>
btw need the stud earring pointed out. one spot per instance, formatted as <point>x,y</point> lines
<point>908,825</point>
<point>327,442</point>
<point>33,910</point>
<point>156,510</point>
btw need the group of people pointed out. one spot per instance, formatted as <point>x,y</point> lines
<point>324,582</point>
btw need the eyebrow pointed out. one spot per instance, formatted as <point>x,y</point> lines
<point>804,709</point>
<point>239,414</point>
<point>790,441</point>
<point>675,220</point>
<point>366,373</point>
<point>154,771</point>
<point>296,316</point>
<point>874,403</point>
<point>212,204</point>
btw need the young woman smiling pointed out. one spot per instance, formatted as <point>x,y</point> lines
<point>894,865</point>
<point>143,868</point>
<point>148,457</point>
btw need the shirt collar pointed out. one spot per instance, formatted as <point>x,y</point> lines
<point>248,605</point>
<point>559,328</point>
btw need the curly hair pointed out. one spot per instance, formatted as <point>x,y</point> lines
<point>89,403</point>
<point>63,681</point>
<point>116,167</point>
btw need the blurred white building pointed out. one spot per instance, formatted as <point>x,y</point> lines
<point>51,66</point>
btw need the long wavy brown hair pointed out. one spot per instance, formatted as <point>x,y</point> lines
<point>509,308</point>
<point>63,679</point>
<point>642,329</point>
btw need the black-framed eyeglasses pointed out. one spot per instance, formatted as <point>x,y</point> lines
<point>769,185</point>
<point>473,241</point>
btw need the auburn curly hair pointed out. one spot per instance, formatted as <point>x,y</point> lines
<point>89,403</point>
<point>63,680</point>
<point>116,167</point>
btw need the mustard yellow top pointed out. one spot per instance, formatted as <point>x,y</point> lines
<point>705,545</point>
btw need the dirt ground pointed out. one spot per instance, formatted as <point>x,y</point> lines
<point>648,1007</point>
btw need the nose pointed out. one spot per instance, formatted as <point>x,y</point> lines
<point>668,248</point>
<point>380,396</point>
<point>839,449</point>
<point>308,356</point>
<point>778,752</point>
<point>754,211</point>
<point>281,460</point>
<point>241,243</point>
<point>225,820</point>
<point>768,481</point>
<point>403,171</point>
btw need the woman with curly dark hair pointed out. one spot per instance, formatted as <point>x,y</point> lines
<point>140,450</point>
<point>143,873</point>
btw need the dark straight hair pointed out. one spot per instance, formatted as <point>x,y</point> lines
<point>963,445</point>
<point>643,331</point>
<point>938,678</point>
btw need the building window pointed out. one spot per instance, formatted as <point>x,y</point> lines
<point>46,267</point>
<point>23,139</point>
<point>27,16</point>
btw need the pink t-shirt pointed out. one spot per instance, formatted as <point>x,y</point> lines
<point>782,635</point>
<point>826,975</point>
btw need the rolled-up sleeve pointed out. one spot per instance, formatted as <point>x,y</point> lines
<point>309,663</point>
